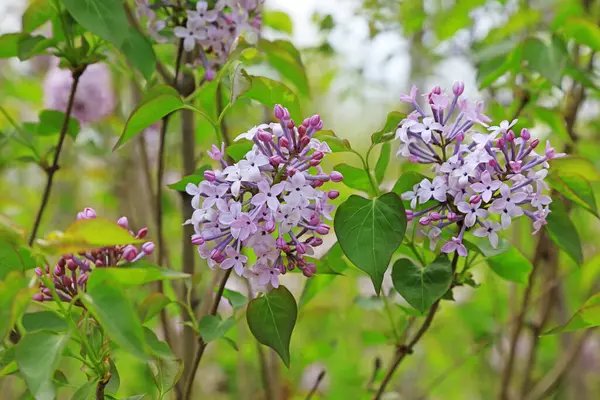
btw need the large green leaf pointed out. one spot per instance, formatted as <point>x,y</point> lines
<point>9,45</point>
<point>157,347</point>
<point>87,234</point>
<point>212,327</point>
<point>113,311</point>
<point>511,265</point>
<point>138,273</point>
<point>105,18</point>
<point>44,320</point>
<point>355,178</point>
<point>278,20</point>
<point>166,372</point>
<point>388,131</point>
<point>449,21</point>
<point>421,287</point>
<point>586,317</point>
<point>29,46</point>
<point>382,162</point>
<point>548,60</point>
<point>583,32</point>
<point>563,232</point>
<point>37,355</point>
<point>554,120</point>
<point>51,122</point>
<point>336,144</point>
<point>139,52</point>
<point>574,187</point>
<point>271,319</point>
<point>270,92</point>
<point>15,257</point>
<point>285,58</point>
<point>576,164</point>
<point>152,305</point>
<point>369,231</point>
<point>86,391</point>
<point>15,296</point>
<point>37,14</point>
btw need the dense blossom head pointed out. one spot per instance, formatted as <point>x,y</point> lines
<point>264,214</point>
<point>71,271</point>
<point>94,98</point>
<point>207,28</point>
<point>483,180</point>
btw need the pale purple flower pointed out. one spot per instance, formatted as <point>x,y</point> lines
<point>268,194</point>
<point>411,97</point>
<point>455,245</point>
<point>471,212</point>
<point>234,260</point>
<point>426,128</point>
<point>242,227</point>
<point>190,34</point>
<point>266,275</point>
<point>486,187</point>
<point>490,230</point>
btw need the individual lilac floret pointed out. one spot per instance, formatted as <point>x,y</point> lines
<point>268,203</point>
<point>94,98</point>
<point>483,180</point>
<point>209,28</point>
<point>71,271</point>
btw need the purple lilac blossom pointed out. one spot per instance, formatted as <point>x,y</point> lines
<point>267,204</point>
<point>94,97</point>
<point>483,180</point>
<point>71,271</point>
<point>208,31</point>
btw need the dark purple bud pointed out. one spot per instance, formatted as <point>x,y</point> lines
<point>38,297</point>
<point>436,90</point>
<point>319,126</point>
<point>58,271</point>
<point>333,194</point>
<point>314,220</point>
<point>209,75</point>
<point>82,279</point>
<point>323,229</point>
<point>475,199</point>
<point>318,155</point>
<point>493,163</point>
<point>279,111</point>
<point>336,176</point>
<point>72,265</point>
<point>47,291</point>
<point>39,272</point>
<point>316,241</point>
<point>129,253</point>
<point>409,215</point>
<point>197,240</point>
<point>67,281</point>
<point>123,222</point>
<point>302,130</point>
<point>264,136</point>
<point>315,119</point>
<point>501,142</point>
<point>216,255</point>
<point>210,176</point>
<point>300,248</point>
<point>284,142</point>
<point>290,124</point>
<point>313,162</point>
<point>435,216</point>
<point>142,233</point>
<point>451,216</point>
<point>458,88</point>
<point>62,262</point>
<point>535,143</point>
<point>304,141</point>
<point>291,171</point>
<point>270,226</point>
<point>510,136</point>
<point>148,248</point>
<point>282,269</point>
<point>280,242</point>
<point>311,267</point>
<point>424,221</point>
<point>307,273</point>
<point>275,160</point>
<point>525,134</point>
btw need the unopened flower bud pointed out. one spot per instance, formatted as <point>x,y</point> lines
<point>284,142</point>
<point>47,291</point>
<point>280,242</point>
<point>461,137</point>
<point>129,253</point>
<point>275,160</point>
<point>217,256</point>
<point>290,124</point>
<point>304,141</point>
<point>142,233</point>
<point>72,265</point>
<point>307,273</point>
<point>319,126</point>
<point>493,163</point>
<point>515,166</point>
<point>300,248</point>
<point>510,136</point>
<point>318,155</point>
<point>475,199</point>
<point>197,240</point>
<point>525,134</point>
<point>315,119</point>
<point>458,88</point>
<point>336,176</point>
<point>100,263</point>
<point>279,111</point>
<point>451,216</point>
<point>58,270</point>
<point>210,175</point>
<point>82,279</point>
<point>87,213</point>
<point>435,216</point>
<point>535,143</point>
<point>323,229</point>
<point>209,75</point>
<point>123,222</point>
<point>264,136</point>
<point>333,194</point>
<point>316,241</point>
<point>38,297</point>
<point>148,248</point>
<point>501,143</point>
<point>67,281</point>
<point>39,272</point>
<point>409,215</point>
<point>424,221</point>
<point>270,226</point>
<point>301,130</point>
<point>313,162</point>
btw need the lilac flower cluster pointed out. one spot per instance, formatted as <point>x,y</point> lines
<point>267,203</point>
<point>71,271</point>
<point>211,29</point>
<point>481,183</point>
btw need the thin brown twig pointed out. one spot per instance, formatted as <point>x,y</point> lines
<point>50,171</point>
<point>316,385</point>
<point>189,384</point>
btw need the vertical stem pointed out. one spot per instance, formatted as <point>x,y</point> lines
<point>50,171</point>
<point>264,372</point>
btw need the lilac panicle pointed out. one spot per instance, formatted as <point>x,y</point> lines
<point>482,180</point>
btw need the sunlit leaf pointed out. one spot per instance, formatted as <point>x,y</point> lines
<point>335,143</point>
<point>138,273</point>
<point>157,347</point>
<point>15,296</point>
<point>547,60</point>
<point>388,131</point>
<point>574,187</point>
<point>51,122</point>
<point>278,20</point>
<point>37,14</point>
<point>586,317</point>
<point>582,31</point>
<point>285,58</point>
<point>105,18</point>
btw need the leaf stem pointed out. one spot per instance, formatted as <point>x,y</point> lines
<point>388,311</point>
<point>50,171</point>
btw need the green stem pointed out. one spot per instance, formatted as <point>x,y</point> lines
<point>388,311</point>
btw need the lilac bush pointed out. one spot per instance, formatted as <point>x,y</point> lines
<point>267,206</point>
<point>482,179</point>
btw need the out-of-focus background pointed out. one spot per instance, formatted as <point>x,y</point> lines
<point>360,55</point>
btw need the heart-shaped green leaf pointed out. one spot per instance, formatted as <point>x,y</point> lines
<point>369,231</point>
<point>421,287</point>
<point>271,319</point>
<point>213,327</point>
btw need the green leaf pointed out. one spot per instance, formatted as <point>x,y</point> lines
<point>574,187</point>
<point>236,299</point>
<point>212,327</point>
<point>285,58</point>
<point>115,379</point>
<point>511,265</point>
<point>421,287</point>
<point>113,311</point>
<point>51,122</point>
<point>271,319</point>
<point>278,20</point>
<point>86,391</point>
<point>269,92</point>
<point>586,317</point>
<point>237,151</point>
<point>87,234</point>
<point>449,21</point>
<point>37,14</point>
<point>195,178</point>
<point>15,296</point>
<point>548,60</point>
<point>406,183</point>
<point>29,46</point>
<point>152,305</point>
<point>37,355</point>
<point>490,71</point>
<point>370,231</point>
<point>355,178</point>
<point>333,263</point>
<point>577,165</point>
<point>382,163</point>
<point>336,144</point>
<point>313,286</point>
<point>157,347</point>
<point>139,273</point>
<point>240,82</point>
<point>166,373</point>
<point>158,102</point>
<point>9,45</point>
<point>554,120</point>
<point>582,31</point>
<point>139,52</point>
<point>14,257</point>
<point>388,131</point>
<point>104,18</point>
<point>44,320</point>
<point>563,232</point>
